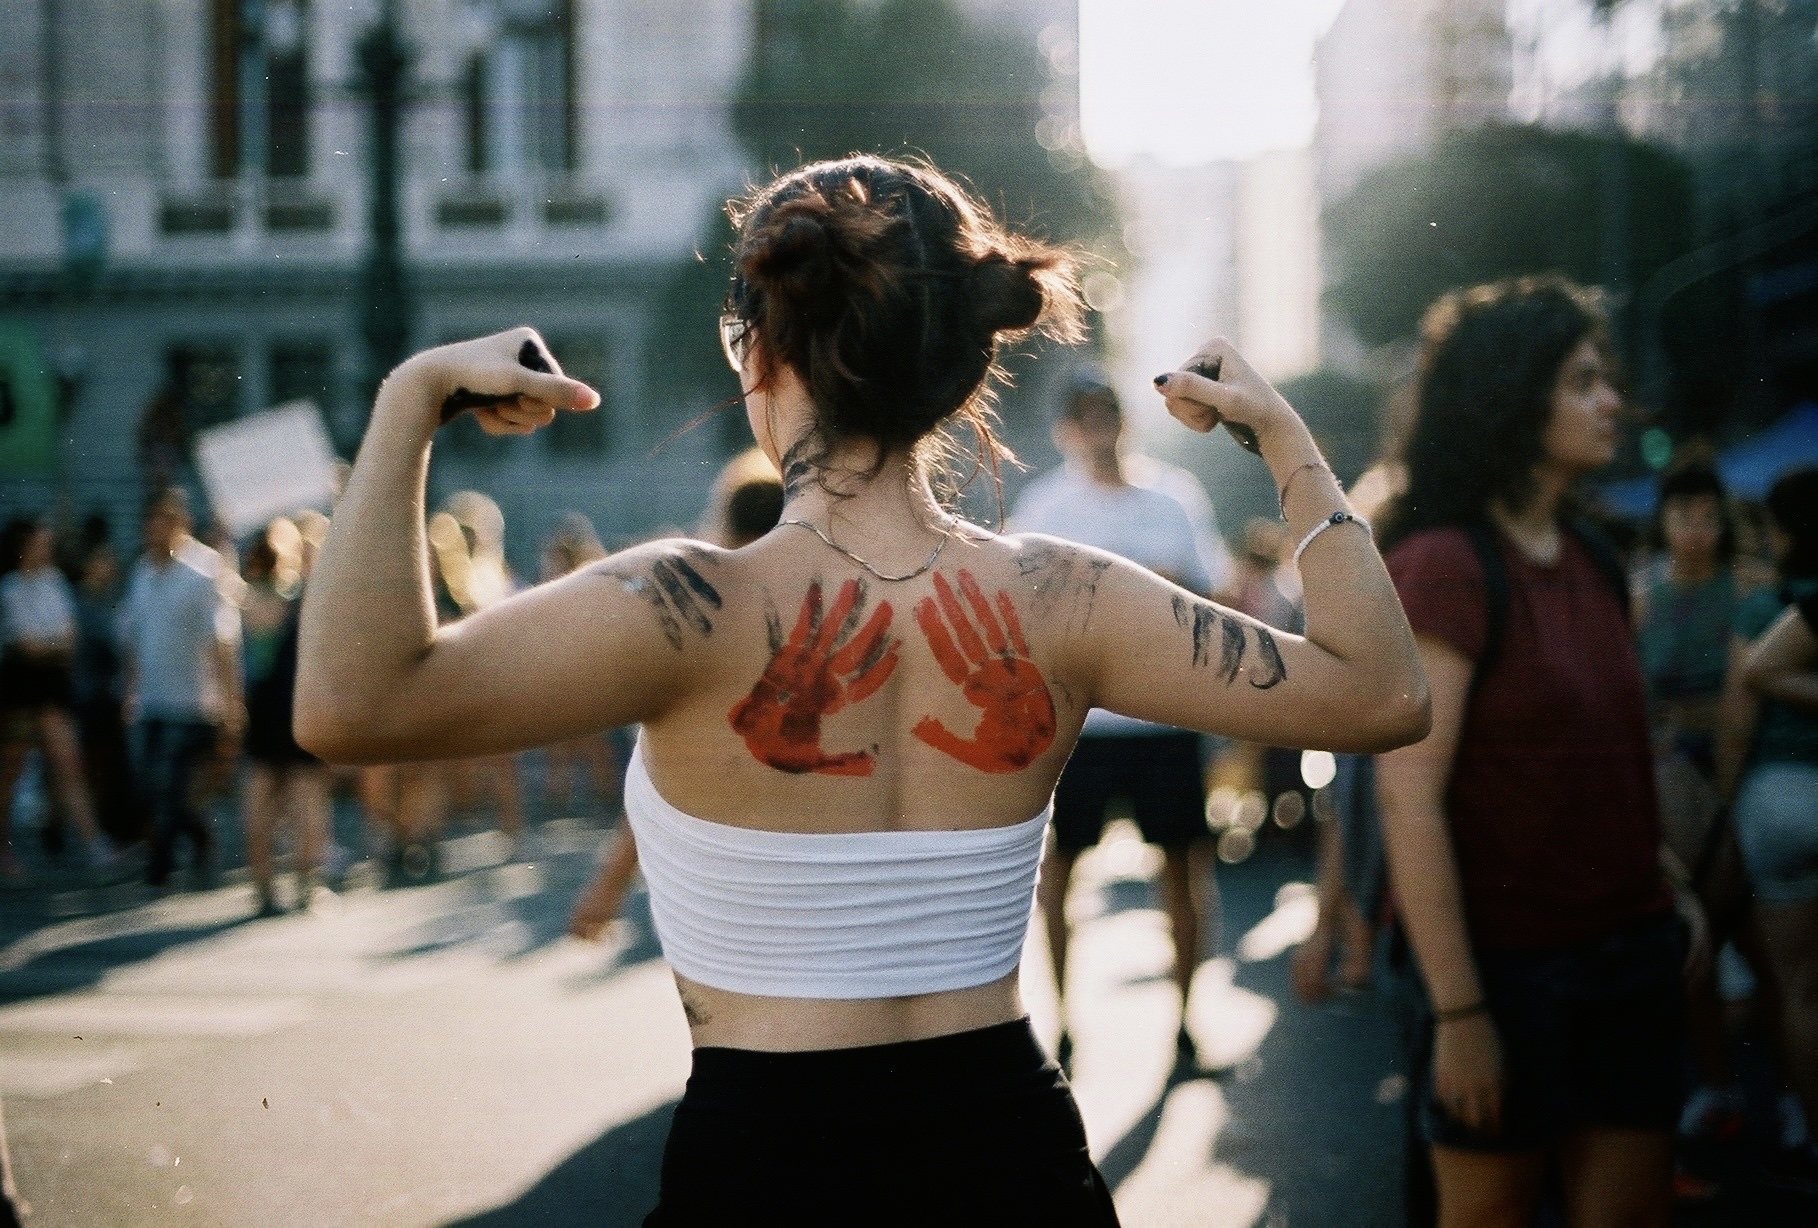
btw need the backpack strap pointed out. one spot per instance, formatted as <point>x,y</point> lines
<point>1496,595</point>
<point>1604,554</point>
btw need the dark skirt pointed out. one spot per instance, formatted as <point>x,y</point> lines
<point>974,1128</point>
<point>269,699</point>
<point>34,680</point>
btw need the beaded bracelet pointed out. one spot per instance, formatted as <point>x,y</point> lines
<point>1339,517</point>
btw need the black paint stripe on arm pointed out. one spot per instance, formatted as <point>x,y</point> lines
<point>1272,662</point>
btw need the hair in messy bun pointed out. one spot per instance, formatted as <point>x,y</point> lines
<point>886,288</point>
<point>1007,295</point>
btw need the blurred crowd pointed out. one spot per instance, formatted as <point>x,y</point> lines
<point>1588,997</point>
<point>140,699</point>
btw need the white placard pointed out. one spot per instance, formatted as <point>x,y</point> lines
<point>267,464</point>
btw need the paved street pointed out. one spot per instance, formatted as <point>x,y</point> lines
<point>442,1054</point>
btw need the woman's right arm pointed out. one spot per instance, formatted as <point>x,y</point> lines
<point>1783,663</point>
<point>1423,873</point>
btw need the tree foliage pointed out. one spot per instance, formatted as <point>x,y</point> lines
<point>831,77</point>
<point>1341,411</point>
<point>826,78</point>
<point>1736,90</point>
<point>1501,201</point>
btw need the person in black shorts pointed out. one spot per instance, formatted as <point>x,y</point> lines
<point>285,784</point>
<point>1099,498</point>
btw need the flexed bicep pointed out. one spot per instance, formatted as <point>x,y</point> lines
<point>1160,653</point>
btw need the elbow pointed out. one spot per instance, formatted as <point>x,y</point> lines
<point>1401,716</point>
<point>1403,719</point>
<point>1396,719</point>
<point>329,732</point>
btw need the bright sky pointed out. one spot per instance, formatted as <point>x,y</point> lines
<point>1191,81</point>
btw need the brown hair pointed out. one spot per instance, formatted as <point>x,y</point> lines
<point>886,288</point>
<point>1489,360</point>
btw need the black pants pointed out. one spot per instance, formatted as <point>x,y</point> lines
<point>977,1128</point>
<point>166,757</point>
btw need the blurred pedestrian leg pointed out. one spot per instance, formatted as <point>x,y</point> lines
<point>13,750</point>
<point>284,782</point>
<point>167,758</point>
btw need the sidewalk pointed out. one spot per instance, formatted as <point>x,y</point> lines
<point>1306,1130</point>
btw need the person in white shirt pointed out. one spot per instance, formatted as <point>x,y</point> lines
<point>1094,499</point>
<point>37,648</point>
<point>180,641</point>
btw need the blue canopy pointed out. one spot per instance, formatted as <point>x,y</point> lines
<point>1747,469</point>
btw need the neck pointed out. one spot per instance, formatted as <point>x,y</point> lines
<point>899,498</point>
<point>1535,527</point>
<point>1107,469</point>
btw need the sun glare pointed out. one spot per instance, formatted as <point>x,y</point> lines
<point>1193,81</point>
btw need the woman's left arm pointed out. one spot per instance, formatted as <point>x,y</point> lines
<point>1783,663</point>
<point>376,679</point>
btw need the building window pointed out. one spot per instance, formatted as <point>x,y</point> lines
<point>206,379</point>
<point>224,94</point>
<point>519,86</point>
<point>259,87</point>
<point>287,89</point>
<point>583,357</point>
<point>473,100</point>
<point>302,371</point>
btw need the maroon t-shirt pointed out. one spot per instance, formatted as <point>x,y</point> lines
<point>1551,803</point>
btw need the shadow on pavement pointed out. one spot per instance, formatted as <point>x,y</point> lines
<point>609,1183</point>
<point>1121,1159</point>
<point>1316,1111</point>
<point>82,965</point>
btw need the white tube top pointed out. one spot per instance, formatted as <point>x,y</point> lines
<point>878,914</point>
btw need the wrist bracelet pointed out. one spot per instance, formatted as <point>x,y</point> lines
<point>1479,1007</point>
<point>1282,497</point>
<point>1339,517</point>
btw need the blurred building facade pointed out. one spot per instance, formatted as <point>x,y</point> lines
<point>1180,286</point>
<point>1392,77</point>
<point>184,224</point>
<point>1732,90</point>
<point>1277,264</point>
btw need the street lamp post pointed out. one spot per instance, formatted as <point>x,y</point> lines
<point>385,300</point>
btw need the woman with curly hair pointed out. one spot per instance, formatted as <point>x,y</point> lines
<point>1523,832</point>
<point>851,727</point>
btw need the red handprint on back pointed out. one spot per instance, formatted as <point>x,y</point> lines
<point>821,668</point>
<point>1016,722</point>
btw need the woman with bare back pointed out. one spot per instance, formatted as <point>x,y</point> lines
<point>851,728</point>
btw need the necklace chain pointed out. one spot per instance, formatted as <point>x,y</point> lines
<point>908,575</point>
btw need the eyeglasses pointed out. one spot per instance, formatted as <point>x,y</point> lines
<point>735,340</point>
